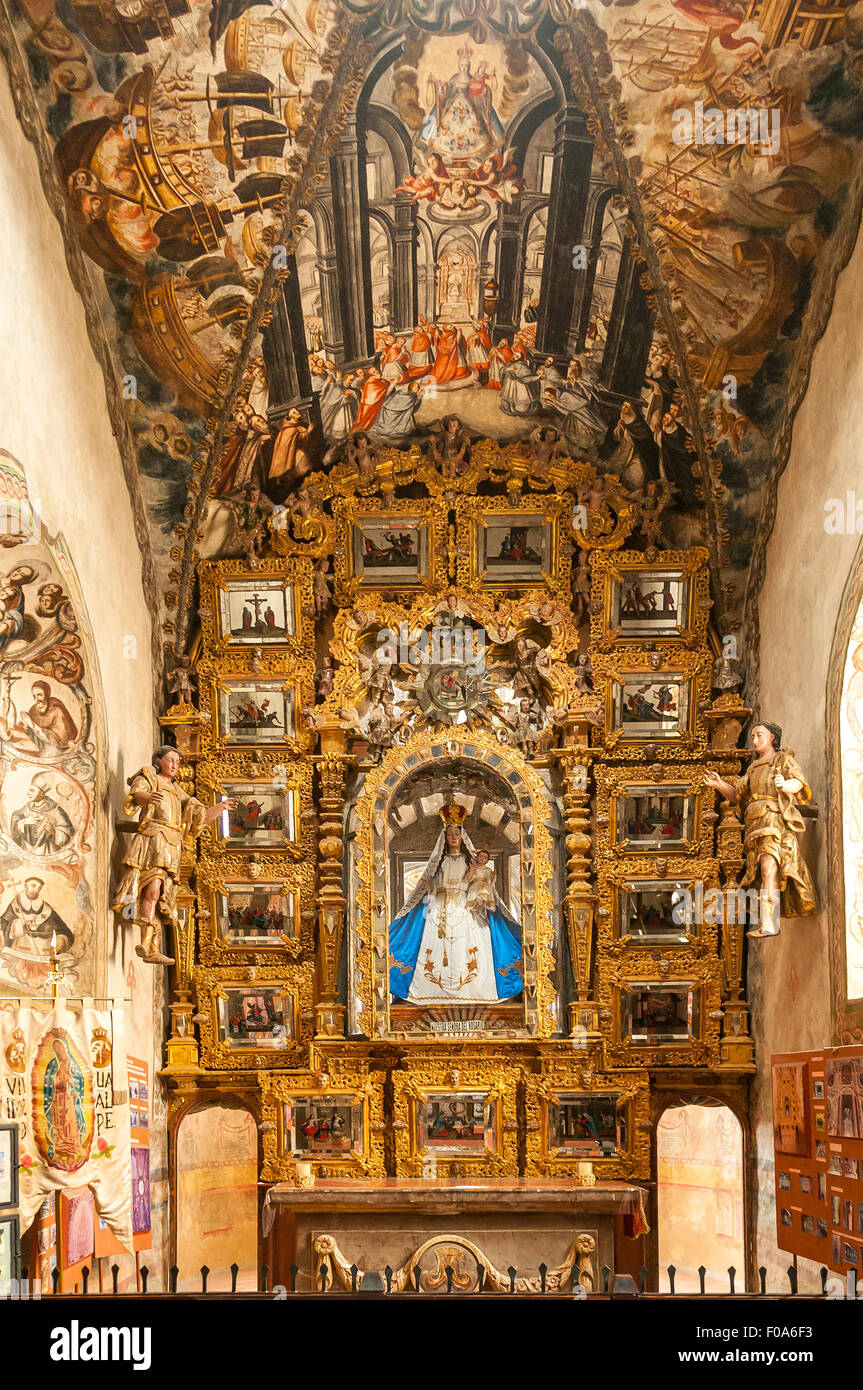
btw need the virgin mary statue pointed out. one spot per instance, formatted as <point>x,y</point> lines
<point>454,940</point>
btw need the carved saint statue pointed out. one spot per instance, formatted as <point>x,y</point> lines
<point>769,792</point>
<point>167,814</point>
<point>447,943</point>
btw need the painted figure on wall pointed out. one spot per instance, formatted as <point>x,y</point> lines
<point>770,792</point>
<point>166,815</point>
<point>448,944</point>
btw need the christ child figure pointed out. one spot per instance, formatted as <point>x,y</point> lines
<point>480,882</point>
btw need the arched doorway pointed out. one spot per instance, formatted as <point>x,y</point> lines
<point>700,1205</point>
<point>216,1158</point>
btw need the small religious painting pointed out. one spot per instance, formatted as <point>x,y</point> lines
<point>807,1223</point>
<point>835,1165</point>
<point>77,1226</point>
<point>654,910</point>
<point>821,1150</point>
<point>586,1126</point>
<point>461,1123</point>
<point>817,1090</point>
<point>785,1217</point>
<point>844,1076</point>
<point>785,1181</point>
<point>513,549</point>
<point>821,1228</point>
<point>255,711</point>
<point>390,551</point>
<point>648,603</point>
<point>255,914</point>
<point>805,1183</point>
<point>650,707</point>
<point>264,817</point>
<point>141,1218</point>
<point>322,1126</point>
<point>256,614</point>
<point>653,818</point>
<point>9,1238</point>
<point>656,1013</point>
<point>850,1168</point>
<point>791,1107</point>
<point>256,1018</point>
<point>8,1165</point>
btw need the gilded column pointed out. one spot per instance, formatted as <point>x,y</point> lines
<point>329,1013</point>
<point>580,898</point>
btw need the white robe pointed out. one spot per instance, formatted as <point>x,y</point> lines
<point>455,935</point>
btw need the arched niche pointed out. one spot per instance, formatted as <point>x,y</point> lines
<point>701,1206</point>
<point>392,825</point>
<point>215,1164</point>
<point>845,810</point>
<point>53,773</point>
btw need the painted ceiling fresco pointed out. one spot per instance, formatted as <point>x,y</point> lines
<point>317,230</point>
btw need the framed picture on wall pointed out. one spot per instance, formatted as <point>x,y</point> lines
<point>390,551</point>
<point>586,1125</point>
<point>649,817</point>
<point>259,913</point>
<point>258,614</point>
<point>10,1236</point>
<point>646,707</point>
<point>8,1165</point>
<point>322,1126</point>
<point>256,1017</point>
<point>265,816</point>
<point>254,711</point>
<point>655,1012</point>
<point>460,1122</point>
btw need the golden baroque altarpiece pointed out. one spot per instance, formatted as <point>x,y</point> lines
<point>481,652</point>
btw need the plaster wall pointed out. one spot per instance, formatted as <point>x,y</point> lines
<point>54,420</point>
<point>806,570</point>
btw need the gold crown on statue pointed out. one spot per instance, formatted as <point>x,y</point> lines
<point>453,814</point>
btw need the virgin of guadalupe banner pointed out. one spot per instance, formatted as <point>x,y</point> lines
<point>63,1078</point>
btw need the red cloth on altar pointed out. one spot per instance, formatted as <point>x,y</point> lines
<point>450,364</point>
<point>371,400</point>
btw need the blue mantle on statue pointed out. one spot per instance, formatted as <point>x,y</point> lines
<point>406,933</point>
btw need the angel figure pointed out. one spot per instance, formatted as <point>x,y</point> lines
<point>325,679</point>
<point>427,182</point>
<point>657,496</point>
<point>525,725</point>
<point>251,513</point>
<point>376,673</point>
<point>166,816</point>
<point>529,660</point>
<point>181,681</point>
<point>322,587</point>
<point>546,445</point>
<point>450,446</point>
<point>770,792</point>
<point>498,177</point>
<point>583,674</point>
<point>362,456</point>
<point>502,632</point>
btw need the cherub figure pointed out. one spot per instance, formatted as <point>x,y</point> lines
<point>181,681</point>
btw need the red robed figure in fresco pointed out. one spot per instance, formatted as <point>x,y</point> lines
<point>450,364</point>
<point>371,400</point>
<point>722,16</point>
